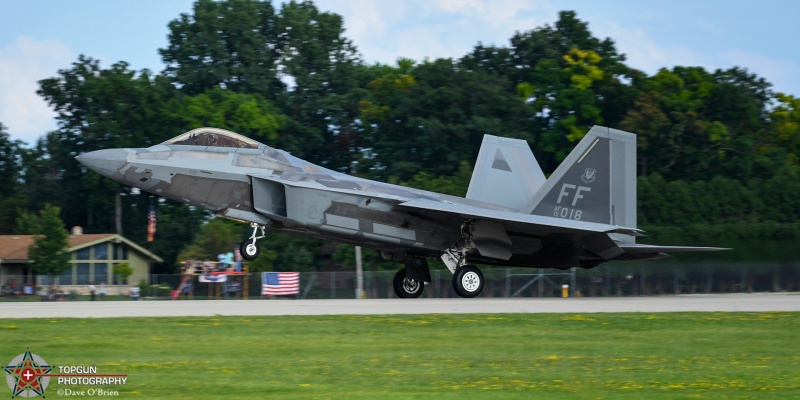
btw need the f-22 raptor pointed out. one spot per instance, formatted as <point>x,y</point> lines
<point>582,216</point>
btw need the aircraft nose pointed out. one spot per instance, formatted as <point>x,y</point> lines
<point>106,162</point>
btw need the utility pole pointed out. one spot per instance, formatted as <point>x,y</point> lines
<point>359,275</point>
<point>118,212</point>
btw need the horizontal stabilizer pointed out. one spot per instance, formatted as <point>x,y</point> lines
<point>648,248</point>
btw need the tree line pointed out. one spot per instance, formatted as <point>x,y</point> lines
<point>715,148</point>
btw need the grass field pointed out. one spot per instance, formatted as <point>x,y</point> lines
<point>502,356</point>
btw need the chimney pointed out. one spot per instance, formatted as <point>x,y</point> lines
<point>77,230</point>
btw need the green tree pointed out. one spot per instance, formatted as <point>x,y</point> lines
<point>121,272</point>
<point>48,255</point>
<point>96,108</point>
<point>10,169</point>
<point>296,58</point>
<point>28,223</point>
<point>569,81</point>
<point>248,114</point>
<point>321,101</point>
<point>432,116</point>
<point>225,44</point>
<point>455,185</point>
<point>287,252</point>
<point>693,124</point>
<point>785,118</point>
<point>217,235</point>
<point>178,225</point>
<point>10,163</point>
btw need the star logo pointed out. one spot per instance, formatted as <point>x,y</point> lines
<point>25,375</point>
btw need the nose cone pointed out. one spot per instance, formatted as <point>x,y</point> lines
<point>105,162</point>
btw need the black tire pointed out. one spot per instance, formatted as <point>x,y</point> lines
<point>406,288</point>
<point>468,281</point>
<point>249,250</point>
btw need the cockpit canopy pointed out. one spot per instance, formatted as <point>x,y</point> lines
<point>213,137</point>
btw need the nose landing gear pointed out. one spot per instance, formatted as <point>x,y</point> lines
<point>249,249</point>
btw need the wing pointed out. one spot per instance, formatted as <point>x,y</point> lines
<point>517,222</point>
<point>491,232</point>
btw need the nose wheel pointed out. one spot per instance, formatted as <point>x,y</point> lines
<point>249,249</point>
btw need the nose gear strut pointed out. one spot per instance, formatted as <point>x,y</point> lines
<point>249,249</point>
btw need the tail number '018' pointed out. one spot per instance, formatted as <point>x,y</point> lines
<point>568,213</point>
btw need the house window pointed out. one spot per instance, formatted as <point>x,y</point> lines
<point>82,254</point>
<point>66,277</point>
<point>100,272</point>
<point>83,276</point>
<point>101,251</point>
<point>120,251</point>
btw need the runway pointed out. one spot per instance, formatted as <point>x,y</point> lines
<point>682,303</point>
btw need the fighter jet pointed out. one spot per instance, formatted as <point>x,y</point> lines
<point>582,216</point>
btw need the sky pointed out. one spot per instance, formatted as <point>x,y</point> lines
<point>39,37</point>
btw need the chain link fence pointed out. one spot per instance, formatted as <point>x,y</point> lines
<point>613,279</point>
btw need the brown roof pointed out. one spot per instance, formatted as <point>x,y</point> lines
<point>79,240</point>
<point>15,247</point>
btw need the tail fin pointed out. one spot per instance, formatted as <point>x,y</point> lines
<point>595,183</point>
<point>506,173</point>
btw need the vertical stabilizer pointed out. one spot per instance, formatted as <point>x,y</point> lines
<point>506,173</point>
<point>595,183</point>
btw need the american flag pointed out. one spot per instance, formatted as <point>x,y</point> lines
<point>280,283</point>
<point>151,223</point>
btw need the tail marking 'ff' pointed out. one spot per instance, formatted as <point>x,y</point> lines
<point>595,183</point>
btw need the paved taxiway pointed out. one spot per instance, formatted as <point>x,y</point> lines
<point>107,309</point>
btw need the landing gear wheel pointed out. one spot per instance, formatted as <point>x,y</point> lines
<point>249,250</point>
<point>407,288</point>
<point>468,281</point>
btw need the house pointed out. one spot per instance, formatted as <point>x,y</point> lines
<point>93,259</point>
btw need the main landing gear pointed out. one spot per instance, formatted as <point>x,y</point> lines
<point>249,249</point>
<point>467,282</point>
<point>467,279</point>
<point>405,287</point>
<point>409,282</point>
